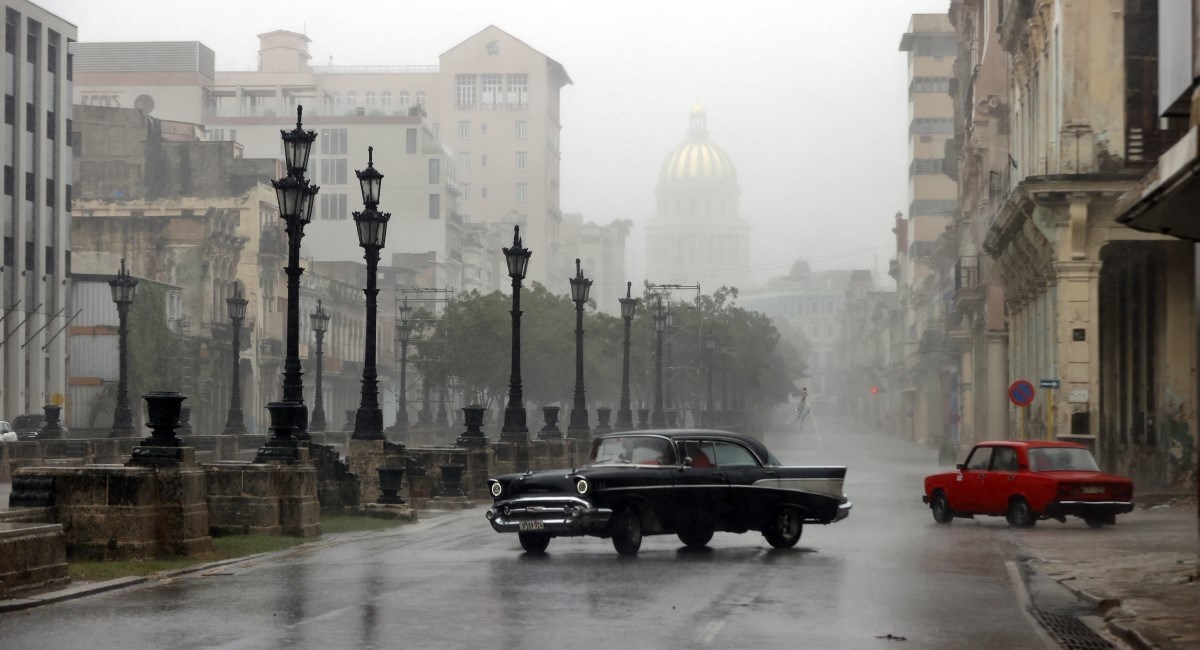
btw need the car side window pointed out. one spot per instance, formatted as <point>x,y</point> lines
<point>701,453</point>
<point>731,455</point>
<point>1004,459</point>
<point>980,458</point>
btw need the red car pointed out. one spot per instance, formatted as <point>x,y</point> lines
<point>1028,480</point>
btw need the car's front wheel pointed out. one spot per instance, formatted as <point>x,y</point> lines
<point>534,543</point>
<point>941,508</point>
<point>696,537</point>
<point>627,534</point>
<point>785,530</point>
<point>1020,514</point>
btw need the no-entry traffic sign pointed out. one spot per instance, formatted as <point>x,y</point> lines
<point>1021,393</point>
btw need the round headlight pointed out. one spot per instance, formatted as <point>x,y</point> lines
<point>496,489</point>
<point>581,486</point>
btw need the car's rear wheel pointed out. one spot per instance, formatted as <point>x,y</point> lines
<point>1020,514</point>
<point>941,508</point>
<point>1096,521</point>
<point>785,530</point>
<point>535,543</point>
<point>627,534</point>
<point>696,536</point>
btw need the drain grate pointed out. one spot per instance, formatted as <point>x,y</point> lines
<point>1070,632</point>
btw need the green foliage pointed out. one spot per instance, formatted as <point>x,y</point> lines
<point>149,342</point>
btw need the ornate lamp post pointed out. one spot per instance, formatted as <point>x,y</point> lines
<point>658,419</point>
<point>517,258</point>
<point>710,346</point>
<point>320,325</point>
<point>668,336</point>
<point>124,288</point>
<point>580,287</point>
<point>372,232</point>
<point>403,334</point>
<point>624,414</point>
<point>235,424</point>
<point>296,197</point>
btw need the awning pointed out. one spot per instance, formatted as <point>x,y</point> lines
<point>1167,200</point>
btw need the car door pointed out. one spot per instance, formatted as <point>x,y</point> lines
<point>999,482</point>
<point>749,502</point>
<point>701,493</point>
<point>965,494</point>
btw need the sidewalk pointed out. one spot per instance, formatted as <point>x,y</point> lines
<point>1141,574</point>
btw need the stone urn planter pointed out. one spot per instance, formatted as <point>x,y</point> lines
<point>51,423</point>
<point>603,414</point>
<point>550,430</point>
<point>451,483</point>
<point>390,479</point>
<point>473,436</point>
<point>162,409</point>
<point>643,418</point>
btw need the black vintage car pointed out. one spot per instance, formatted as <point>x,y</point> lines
<point>690,483</point>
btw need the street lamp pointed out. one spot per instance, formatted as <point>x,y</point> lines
<point>296,197</point>
<point>658,419</point>
<point>235,424</point>
<point>668,344</point>
<point>320,325</point>
<point>624,413</point>
<point>710,346</point>
<point>372,232</point>
<point>517,258</point>
<point>580,286</point>
<point>124,288</point>
<point>403,334</point>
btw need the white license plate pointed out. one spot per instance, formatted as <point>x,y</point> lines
<point>535,524</point>
<point>1092,490</point>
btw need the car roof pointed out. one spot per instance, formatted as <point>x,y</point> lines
<point>1032,444</point>
<point>715,434</point>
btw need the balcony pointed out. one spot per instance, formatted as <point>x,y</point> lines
<point>968,292</point>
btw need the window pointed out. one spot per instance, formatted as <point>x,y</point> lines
<point>335,98</point>
<point>67,198</point>
<point>402,99</point>
<point>52,53</point>
<point>333,207</point>
<point>385,98</point>
<point>51,131</point>
<point>10,109</point>
<point>925,167</point>
<point>1004,459</point>
<point>464,130</point>
<point>483,160</point>
<point>11,19</point>
<point>410,141</point>
<point>30,117</point>
<point>483,192</point>
<point>522,191</point>
<point>493,90</point>
<point>521,130</point>
<point>521,161</point>
<point>30,256</point>
<point>369,98</point>
<point>731,455</point>
<point>464,160</point>
<point>333,171</point>
<point>464,90</point>
<point>9,180</point>
<point>518,90</point>
<point>333,141</point>
<point>420,98</point>
<point>980,458</point>
<point>929,85</point>
<point>435,168</point>
<point>31,41</point>
<point>435,206</point>
<point>50,260</point>
<point>352,99</point>
<point>10,252</point>
<point>49,192</point>
<point>29,189</point>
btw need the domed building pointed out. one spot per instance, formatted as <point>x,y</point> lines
<point>698,233</point>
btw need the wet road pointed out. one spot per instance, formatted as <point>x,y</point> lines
<point>450,582</point>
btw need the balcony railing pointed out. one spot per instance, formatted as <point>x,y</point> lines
<point>966,272</point>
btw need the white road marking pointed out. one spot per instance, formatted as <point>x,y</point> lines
<point>711,631</point>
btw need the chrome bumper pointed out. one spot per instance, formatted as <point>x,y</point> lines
<point>843,511</point>
<point>557,516</point>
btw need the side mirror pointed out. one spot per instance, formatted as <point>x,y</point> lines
<point>960,467</point>
<point>687,461</point>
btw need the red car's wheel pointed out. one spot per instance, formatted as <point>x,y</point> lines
<point>941,508</point>
<point>1020,514</point>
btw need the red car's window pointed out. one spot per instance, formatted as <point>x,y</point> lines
<point>1004,459</point>
<point>1062,458</point>
<point>980,458</point>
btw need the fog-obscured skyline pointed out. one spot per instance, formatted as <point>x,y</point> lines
<point>808,98</point>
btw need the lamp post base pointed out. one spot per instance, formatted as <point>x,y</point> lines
<point>514,429</point>
<point>368,424</point>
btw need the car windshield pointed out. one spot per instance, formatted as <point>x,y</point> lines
<point>636,450</point>
<point>1052,459</point>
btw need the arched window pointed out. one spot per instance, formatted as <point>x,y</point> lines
<point>336,98</point>
<point>385,98</point>
<point>420,98</point>
<point>352,99</point>
<point>403,103</point>
<point>369,98</point>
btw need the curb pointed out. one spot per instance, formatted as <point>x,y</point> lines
<point>1138,636</point>
<point>17,604</point>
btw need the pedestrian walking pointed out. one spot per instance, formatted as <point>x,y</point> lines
<point>802,409</point>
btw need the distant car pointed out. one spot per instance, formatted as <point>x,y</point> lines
<point>6,432</point>
<point>27,425</point>
<point>1028,480</point>
<point>690,483</point>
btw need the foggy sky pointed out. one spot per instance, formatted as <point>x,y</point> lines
<point>808,97</point>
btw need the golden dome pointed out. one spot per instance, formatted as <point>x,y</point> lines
<point>697,158</point>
